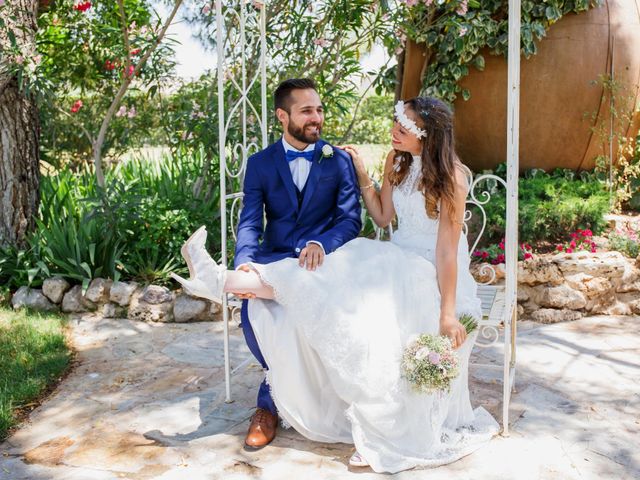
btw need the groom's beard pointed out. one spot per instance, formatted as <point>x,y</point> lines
<point>299,132</point>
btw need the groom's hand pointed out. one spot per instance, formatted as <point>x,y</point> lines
<point>312,256</point>
<point>244,296</point>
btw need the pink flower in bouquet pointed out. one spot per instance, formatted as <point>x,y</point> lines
<point>462,8</point>
<point>434,358</point>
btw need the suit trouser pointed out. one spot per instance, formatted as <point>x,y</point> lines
<point>264,396</point>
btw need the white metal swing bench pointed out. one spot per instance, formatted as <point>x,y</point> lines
<point>241,30</point>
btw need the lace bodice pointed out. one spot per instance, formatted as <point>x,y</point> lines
<point>408,202</point>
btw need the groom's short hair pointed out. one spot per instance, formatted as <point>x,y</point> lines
<point>282,95</point>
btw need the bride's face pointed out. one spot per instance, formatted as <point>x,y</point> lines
<point>402,139</point>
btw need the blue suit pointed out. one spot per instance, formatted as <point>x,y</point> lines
<point>326,211</point>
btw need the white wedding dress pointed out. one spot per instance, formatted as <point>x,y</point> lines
<point>333,340</point>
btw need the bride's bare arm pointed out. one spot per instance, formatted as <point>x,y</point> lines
<point>449,231</point>
<point>379,205</point>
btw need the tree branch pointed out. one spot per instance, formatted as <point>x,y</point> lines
<point>97,146</point>
<point>125,34</point>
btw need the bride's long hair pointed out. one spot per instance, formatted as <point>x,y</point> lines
<point>439,158</point>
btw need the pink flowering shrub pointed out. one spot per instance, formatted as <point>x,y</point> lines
<point>626,240</point>
<point>494,254</point>
<point>581,240</point>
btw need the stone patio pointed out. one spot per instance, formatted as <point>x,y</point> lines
<point>146,401</point>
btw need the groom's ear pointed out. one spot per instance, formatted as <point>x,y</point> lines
<point>282,115</point>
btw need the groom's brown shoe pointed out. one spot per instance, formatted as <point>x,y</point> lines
<point>262,429</point>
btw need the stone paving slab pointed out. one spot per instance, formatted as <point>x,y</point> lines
<point>146,401</point>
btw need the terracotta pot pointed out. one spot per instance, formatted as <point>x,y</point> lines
<point>558,96</point>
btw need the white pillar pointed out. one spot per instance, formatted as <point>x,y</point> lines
<point>511,241</point>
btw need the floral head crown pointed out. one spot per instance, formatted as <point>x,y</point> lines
<point>406,122</point>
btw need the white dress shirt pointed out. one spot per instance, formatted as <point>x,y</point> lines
<point>300,167</point>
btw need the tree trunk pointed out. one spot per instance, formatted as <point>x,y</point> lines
<point>19,160</point>
<point>19,136</point>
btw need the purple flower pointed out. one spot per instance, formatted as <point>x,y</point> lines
<point>434,358</point>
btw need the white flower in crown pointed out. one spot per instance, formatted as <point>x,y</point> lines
<point>406,122</point>
<point>327,150</point>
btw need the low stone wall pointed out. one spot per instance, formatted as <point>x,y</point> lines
<point>551,288</point>
<point>560,287</point>
<point>151,303</point>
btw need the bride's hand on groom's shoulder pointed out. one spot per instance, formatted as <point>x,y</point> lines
<point>451,327</point>
<point>358,163</point>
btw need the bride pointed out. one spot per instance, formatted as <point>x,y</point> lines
<point>335,347</point>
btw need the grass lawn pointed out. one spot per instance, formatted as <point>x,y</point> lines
<point>33,356</point>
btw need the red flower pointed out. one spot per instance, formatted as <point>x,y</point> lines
<point>500,258</point>
<point>527,256</point>
<point>485,254</point>
<point>587,233</point>
<point>109,65</point>
<point>569,250</point>
<point>135,51</point>
<point>129,71</point>
<point>560,248</point>
<point>573,244</point>
<point>574,235</point>
<point>76,106</point>
<point>593,249</point>
<point>82,7</point>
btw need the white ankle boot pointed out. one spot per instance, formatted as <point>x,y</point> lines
<point>206,277</point>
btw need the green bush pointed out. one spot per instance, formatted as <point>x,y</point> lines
<point>550,206</point>
<point>626,241</point>
<point>374,121</point>
<point>132,229</point>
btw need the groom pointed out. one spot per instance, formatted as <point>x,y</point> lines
<point>310,195</point>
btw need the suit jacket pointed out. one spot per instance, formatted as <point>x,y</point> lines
<point>329,212</point>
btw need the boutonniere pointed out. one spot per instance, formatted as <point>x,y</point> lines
<point>327,152</point>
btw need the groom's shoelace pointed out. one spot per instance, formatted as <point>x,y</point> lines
<point>261,416</point>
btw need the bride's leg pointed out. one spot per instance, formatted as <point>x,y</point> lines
<point>239,281</point>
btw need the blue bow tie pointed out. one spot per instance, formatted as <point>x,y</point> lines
<point>293,155</point>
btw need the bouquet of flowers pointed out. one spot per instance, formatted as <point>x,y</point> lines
<point>430,363</point>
